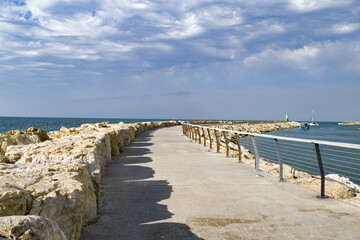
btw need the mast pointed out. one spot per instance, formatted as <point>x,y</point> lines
<point>312,116</point>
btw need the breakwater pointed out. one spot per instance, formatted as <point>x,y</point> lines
<point>50,182</point>
<point>350,123</point>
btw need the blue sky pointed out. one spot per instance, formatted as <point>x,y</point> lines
<point>250,59</point>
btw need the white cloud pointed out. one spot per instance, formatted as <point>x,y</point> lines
<point>217,51</point>
<point>313,5</point>
<point>263,27</point>
<point>314,59</point>
<point>128,30</point>
<point>340,28</point>
<point>198,21</point>
<point>188,26</point>
<point>344,28</point>
<point>220,16</point>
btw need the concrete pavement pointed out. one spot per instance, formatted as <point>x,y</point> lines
<point>166,187</point>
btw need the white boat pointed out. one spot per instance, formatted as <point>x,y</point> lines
<point>312,123</point>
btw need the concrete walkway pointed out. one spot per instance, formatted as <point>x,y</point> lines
<point>166,187</point>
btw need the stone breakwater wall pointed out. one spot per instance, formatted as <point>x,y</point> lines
<point>335,186</point>
<point>250,126</point>
<point>50,182</point>
<point>350,123</point>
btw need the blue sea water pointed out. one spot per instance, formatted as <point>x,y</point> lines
<point>302,156</point>
<point>327,131</point>
<point>54,124</point>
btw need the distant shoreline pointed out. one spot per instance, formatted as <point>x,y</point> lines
<point>350,123</point>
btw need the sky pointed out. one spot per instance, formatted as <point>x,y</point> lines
<point>203,59</point>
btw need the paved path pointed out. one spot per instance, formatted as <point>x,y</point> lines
<point>166,187</point>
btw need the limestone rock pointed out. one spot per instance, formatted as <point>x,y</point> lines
<point>20,137</point>
<point>30,228</point>
<point>14,201</point>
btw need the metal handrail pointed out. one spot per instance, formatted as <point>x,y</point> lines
<point>313,141</point>
<point>316,143</point>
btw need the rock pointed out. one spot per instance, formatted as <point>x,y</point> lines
<point>65,130</point>
<point>2,156</point>
<point>14,201</point>
<point>350,123</point>
<point>20,137</point>
<point>30,228</point>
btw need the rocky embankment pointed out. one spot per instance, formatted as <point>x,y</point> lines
<point>350,123</point>
<point>50,182</point>
<point>335,186</point>
<point>250,126</point>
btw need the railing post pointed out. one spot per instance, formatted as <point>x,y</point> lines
<point>321,168</point>
<point>257,161</point>
<point>183,128</point>
<point>198,130</point>
<point>226,143</point>
<point>217,142</point>
<point>193,133</point>
<point>209,134</point>
<point>238,144</point>
<point>203,131</point>
<point>279,159</point>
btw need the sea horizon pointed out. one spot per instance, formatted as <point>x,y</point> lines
<point>328,130</point>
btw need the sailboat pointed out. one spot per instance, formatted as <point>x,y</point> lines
<point>312,123</point>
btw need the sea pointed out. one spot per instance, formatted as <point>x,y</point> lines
<point>327,131</point>
<point>54,124</point>
<point>342,161</point>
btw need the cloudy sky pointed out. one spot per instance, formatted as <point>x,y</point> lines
<point>209,59</point>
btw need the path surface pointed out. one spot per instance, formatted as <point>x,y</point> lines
<point>166,187</point>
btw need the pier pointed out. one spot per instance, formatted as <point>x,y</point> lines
<point>165,186</point>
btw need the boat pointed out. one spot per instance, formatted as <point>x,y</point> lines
<point>305,126</point>
<point>312,123</point>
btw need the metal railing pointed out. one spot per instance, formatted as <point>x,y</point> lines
<point>301,154</point>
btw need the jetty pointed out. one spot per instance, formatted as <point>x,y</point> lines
<point>165,186</point>
<point>155,181</point>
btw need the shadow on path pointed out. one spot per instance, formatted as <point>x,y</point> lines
<point>130,200</point>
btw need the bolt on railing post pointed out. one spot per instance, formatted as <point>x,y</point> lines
<point>217,142</point>
<point>321,168</point>
<point>238,144</point>
<point>203,131</point>
<point>279,160</point>
<point>209,134</point>
<point>257,161</point>
<point>226,143</point>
